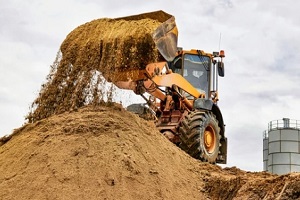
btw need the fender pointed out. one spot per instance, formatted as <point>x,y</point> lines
<point>207,104</point>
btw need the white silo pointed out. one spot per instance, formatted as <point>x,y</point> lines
<point>281,146</point>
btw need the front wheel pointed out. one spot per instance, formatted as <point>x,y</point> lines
<point>199,133</point>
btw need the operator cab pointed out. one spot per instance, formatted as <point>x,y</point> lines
<point>195,69</point>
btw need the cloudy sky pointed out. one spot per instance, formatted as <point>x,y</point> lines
<point>261,40</point>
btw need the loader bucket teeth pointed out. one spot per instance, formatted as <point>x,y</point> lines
<point>165,38</point>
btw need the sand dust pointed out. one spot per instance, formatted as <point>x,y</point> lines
<point>92,54</point>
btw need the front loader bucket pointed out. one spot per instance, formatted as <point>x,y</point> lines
<point>121,48</point>
<point>165,38</point>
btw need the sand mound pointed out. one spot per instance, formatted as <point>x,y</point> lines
<point>104,152</point>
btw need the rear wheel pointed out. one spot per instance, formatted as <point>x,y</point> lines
<point>200,136</point>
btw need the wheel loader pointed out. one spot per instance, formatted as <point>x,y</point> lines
<point>183,94</point>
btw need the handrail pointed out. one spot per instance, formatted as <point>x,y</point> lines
<point>284,123</point>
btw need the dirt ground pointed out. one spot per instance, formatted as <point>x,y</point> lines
<point>105,152</point>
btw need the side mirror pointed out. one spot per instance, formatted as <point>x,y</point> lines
<point>221,70</point>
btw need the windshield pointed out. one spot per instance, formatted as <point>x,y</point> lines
<point>196,71</point>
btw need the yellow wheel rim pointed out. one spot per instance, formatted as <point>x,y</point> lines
<point>209,139</point>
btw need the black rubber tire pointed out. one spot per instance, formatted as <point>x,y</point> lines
<point>192,135</point>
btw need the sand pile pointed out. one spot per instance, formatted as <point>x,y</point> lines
<point>97,49</point>
<point>104,152</point>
